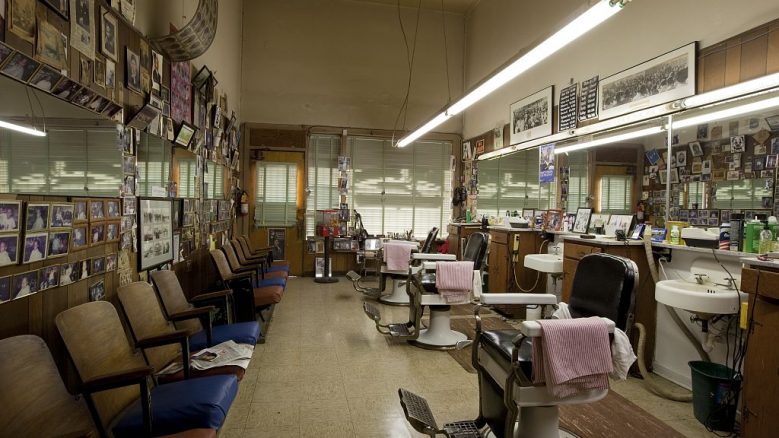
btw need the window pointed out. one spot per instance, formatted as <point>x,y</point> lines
<point>398,189</point>
<point>68,161</point>
<point>616,194</point>
<point>578,184</point>
<point>153,164</point>
<point>187,171</point>
<point>214,179</point>
<point>695,195</point>
<point>275,203</point>
<point>739,195</point>
<point>511,183</point>
<point>322,157</point>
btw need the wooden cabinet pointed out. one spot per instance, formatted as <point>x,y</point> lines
<point>502,268</point>
<point>457,236</point>
<point>761,364</point>
<point>645,308</point>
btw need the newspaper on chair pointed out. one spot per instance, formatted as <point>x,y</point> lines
<point>227,353</point>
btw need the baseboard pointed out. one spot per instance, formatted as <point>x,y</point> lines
<point>682,380</point>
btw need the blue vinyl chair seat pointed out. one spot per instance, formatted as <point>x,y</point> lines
<point>200,403</point>
<point>277,268</point>
<point>271,282</point>
<point>240,332</point>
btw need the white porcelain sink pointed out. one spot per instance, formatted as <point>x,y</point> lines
<point>706,298</point>
<point>549,263</point>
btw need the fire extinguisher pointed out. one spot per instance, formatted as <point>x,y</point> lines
<point>244,203</point>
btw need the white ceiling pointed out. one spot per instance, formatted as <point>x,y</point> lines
<point>454,6</point>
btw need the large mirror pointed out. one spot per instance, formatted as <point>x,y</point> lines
<point>154,156</point>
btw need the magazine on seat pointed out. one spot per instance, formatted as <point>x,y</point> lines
<point>227,353</point>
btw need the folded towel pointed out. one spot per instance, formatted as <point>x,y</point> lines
<point>397,255</point>
<point>572,355</point>
<point>454,280</point>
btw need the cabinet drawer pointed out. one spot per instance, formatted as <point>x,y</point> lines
<point>763,283</point>
<point>499,237</point>
<point>577,251</point>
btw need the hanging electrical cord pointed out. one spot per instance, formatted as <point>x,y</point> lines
<point>446,56</point>
<point>538,273</point>
<point>410,55</point>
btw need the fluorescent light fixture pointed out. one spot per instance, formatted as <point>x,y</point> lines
<point>727,113</point>
<point>611,139</point>
<point>758,84</point>
<point>585,22</point>
<point>22,129</point>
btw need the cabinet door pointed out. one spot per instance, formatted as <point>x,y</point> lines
<point>569,269</point>
<point>498,260</point>
<point>761,371</point>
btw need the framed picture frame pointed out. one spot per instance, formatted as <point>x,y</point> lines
<point>622,222</point>
<point>553,220</point>
<point>78,237</point>
<point>62,215</point>
<point>51,47</point>
<point>113,209</point>
<point>10,216</point>
<point>69,273</point>
<point>62,7</point>
<point>529,214</point>
<point>80,211</point>
<point>112,231</point>
<point>582,222</point>
<point>9,249</point>
<point>21,19</point>
<point>96,233</point>
<point>82,27</point>
<point>97,291</point>
<point>185,135</point>
<point>598,221</point>
<point>663,79</point>
<point>111,262</point>
<point>5,289</point>
<point>531,117</point>
<point>155,236</point>
<point>59,243</point>
<point>35,245</point>
<point>132,71</point>
<point>97,266</point>
<point>109,30</point>
<point>37,217</point>
<point>128,205</point>
<point>48,277</point>
<point>24,284</point>
<point>96,210</point>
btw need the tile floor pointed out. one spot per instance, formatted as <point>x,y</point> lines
<point>325,371</point>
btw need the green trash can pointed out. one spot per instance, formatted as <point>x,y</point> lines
<point>715,391</point>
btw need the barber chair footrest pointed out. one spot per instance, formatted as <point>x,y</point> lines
<point>462,429</point>
<point>420,416</point>
<point>399,330</point>
<point>372,312</point>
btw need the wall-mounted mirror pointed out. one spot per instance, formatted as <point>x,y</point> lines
<point>154,155</point>
<point>511,183</point>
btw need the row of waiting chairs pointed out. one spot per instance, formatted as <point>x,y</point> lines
<point>124,395</point>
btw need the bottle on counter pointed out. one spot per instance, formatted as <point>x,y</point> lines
<point>766,240</point>
<point>675,233</point>
<point>724,236</point>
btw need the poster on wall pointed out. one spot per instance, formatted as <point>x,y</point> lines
<point>156,233</point>
<point>660,80</point>
<point>531,117</point>
<point>546,167</point>
<point>588,99</point>
<point>567,108</point>
<point>180,92</point>
<point>82,27</point>
<point>277,239</point>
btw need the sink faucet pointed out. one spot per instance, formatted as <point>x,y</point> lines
<point>699,278</point>
<point>730,283</point>
<point>556,249</point>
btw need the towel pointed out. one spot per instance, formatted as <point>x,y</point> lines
<point>622,354</point>
<point>572,355</point>
<point>454,280</point>
<point>397,255</point>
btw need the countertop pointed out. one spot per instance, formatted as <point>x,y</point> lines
<point>719,252</point>
<point>753,261</point>
<point>603,241</point>
<point>464,224</point>
<point>502,228</point>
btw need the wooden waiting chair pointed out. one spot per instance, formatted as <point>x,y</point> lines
<point>147,321</point>
<point>34,399</point>
<point>250,301</point>
<point>247,245</point>
<point>186,316</point>
<point>115,380</point>
<point>247,259</point>
<point>274,278</point>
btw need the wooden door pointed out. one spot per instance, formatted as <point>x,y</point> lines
<point>761,370</point>
<point>498,263</point>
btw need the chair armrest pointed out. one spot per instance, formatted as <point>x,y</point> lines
<point>514,298</point>
<point>532,329</point>
<point>118,379</point>
<point>239,275</point>
<point>197,312</point>
<point>438,257</point>
<point>212,295</point>
<point>168,338</point>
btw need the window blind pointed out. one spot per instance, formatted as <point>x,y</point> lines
<point>616,194</point>
<point>322,177</point>
<point>153,163</point>
<point>215,180</point>
<point>511,183</point>
<point>578,183</point>
<point>275,202</point>
<point>740,195</point>
<point>186,187</point>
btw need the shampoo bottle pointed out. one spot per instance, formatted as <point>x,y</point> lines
<point>675,235</point>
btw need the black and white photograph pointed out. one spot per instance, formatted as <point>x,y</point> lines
<point>155,233</point>
<point>126,241</point>
<point>695,149</point>
<point>128,188</point>
<point>51,46</point>
<point>5,50</point>
<point>10,215</point>
<point>531,117</point>
<point>737,143</point>
<point>59,243</point>
<point>70,273</point>
<point>110,262</point>
<point>582,222</point>
<point>108,34</point>
<point>184,136</point>
<point>663,79</point>
<point>20,67</point>
<point>99,78</point>
<point>37,217</point>
<point>83,97</point>
<point>82,27</point>
<point>61,7</point>
<point>128,164</point>
<point>128,205</point>
<point>66,89</point>
<point>132,71</point>
<point>45,78</point>
<point>156,71</point>
<point>771,161</point>
<point>96,210</point>
<point>35,247</point>
<point>25,284</point>
<point>128,222</point>
<point>48,277</point>
<point>21,18</point>
<point>97,291</point>
<point>5,289</point>
<point>112,207</point>
<point>110,75</point>
<point>61,215</point>
<point>277,240</point>
<point>9,249</point>
<point>84,269</point>
<point>79,237</point>
<point>98,266</point>
<point>81,211</point>
<point>681,158</point>
<point>96,234</point>
<point>112,232</point>
<point>144,117</point>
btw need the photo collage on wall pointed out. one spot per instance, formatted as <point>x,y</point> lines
<point>156,233</point>
<point>37,231</point>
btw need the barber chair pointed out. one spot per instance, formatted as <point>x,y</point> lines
<point>509,405</point>
<point>422,293</point>
<point>372,250</point>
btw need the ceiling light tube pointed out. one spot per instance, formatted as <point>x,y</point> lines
<point>727,113</point>
<point>754,85</point>
<point>22,129</point>
<point>585,22</point>
<point>611,139</point>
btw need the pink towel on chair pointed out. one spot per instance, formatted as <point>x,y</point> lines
<point>454,280</point>
<point>397,255</point>
<point>572,355</point>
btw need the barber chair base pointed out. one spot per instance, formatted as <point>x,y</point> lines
<point>372,292</point>
<point>398,297</point>
<point>439,334</point>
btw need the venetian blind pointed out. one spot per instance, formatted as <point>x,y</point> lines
<point>578,183</point>
<point>511,183</point>
<point>215,180</point>
<point>153,164</point>
<point>742,194</point>
<point>322,177</point>
<point>187,167</point>
<point>616,194</point>
<point>275,202</point>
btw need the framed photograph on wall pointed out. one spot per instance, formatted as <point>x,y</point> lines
<point>59,243</point>
<point>109,26</point>
<point>9,249</point>
<point>35,247</point>
<point>155,236</point>
<point>10,215</point>
<point>277,239</point>
<point>531,117</point>
<point>553,220</point>
<point>37,217</point>
<point>78,240</point>
<point>25,284</point>
<point>660,80</point>
<point>82,27</point>
<point>61,215</point>
<point>582,222</point>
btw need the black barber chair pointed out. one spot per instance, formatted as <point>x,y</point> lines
<point>604,285</point>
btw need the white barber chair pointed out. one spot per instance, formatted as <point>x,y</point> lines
<point>509,405</point>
